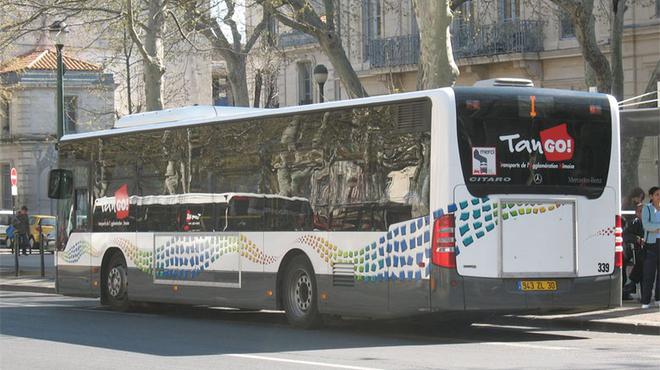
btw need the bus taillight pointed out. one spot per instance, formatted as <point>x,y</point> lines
<point>443,242</point>
<point>618,242</point>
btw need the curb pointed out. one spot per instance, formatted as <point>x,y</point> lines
<point>27,288</point>
<point>593,325</point>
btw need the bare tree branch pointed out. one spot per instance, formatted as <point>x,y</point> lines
<point>134,36</point>
<point>178,26</point>
<point>256,33</point>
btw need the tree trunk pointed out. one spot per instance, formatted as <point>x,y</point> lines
<point>153,44</point>
<point>331,45</point>
<point>258,81</point>
<point>437,67</point>
<point>153,86</point>
<point>237,77</point>
<point>616,56</point>
<point>585,32</point>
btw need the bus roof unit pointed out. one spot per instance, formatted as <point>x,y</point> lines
<point>505,81</point>
<point>180,114</point>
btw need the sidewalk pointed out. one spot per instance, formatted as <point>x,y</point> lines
<point>27,283</point>
<point>630,318</point>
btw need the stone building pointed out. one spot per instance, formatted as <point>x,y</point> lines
<point>490,38</point>
<point>28,118</point>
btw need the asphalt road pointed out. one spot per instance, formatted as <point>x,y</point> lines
<point>44,331</point>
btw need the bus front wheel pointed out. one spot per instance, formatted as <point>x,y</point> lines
<point>300,294</point>
<point>116,283</point>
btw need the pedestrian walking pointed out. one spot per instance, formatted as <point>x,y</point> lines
<point>651,224</point>
<point>22,225</point>
<point>633,239</point>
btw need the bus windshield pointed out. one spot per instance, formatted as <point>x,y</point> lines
<point>521,140</point>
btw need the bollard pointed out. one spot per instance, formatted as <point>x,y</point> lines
<point>15,247</point>
<point>41,250</point>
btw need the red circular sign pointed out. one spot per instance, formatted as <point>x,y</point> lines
<point>13,176</point>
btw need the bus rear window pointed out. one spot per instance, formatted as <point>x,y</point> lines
<point>521,140</point>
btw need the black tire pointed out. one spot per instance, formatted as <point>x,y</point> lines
<point>300,298</point>
<point>115,283</point>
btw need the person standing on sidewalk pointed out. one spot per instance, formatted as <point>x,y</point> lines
<point>22,224</point>
<point>633,239</point>
<point>651,273</point>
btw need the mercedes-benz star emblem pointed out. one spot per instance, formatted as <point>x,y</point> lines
<point>538,178</point>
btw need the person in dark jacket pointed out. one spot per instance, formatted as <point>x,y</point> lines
<point>22,225</point>
<point>651,222</point>
<point>633,239</point>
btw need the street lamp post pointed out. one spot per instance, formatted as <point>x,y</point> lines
<point>320,75</point>
<point>57,31</point>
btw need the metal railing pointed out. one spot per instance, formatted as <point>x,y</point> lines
<point>295,38</point>
<point>394,51</point>
<point>468,40</point>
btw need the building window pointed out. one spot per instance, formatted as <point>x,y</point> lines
<point>4,117</point>
<point>271,35</point>
<point>465,13</point>
<point>372,23</point>
<point>71,113</point>
<point>509,10</point>
<point>565,25</point>
<point>376,19</point>
<point>657,8</point>
<point>304,83</point>
<point>414,26</point>
<point>219,91</point>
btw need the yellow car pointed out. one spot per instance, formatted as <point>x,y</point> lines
<point>42,225</point>
<point>5,221</point>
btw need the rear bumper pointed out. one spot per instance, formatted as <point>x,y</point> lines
<point>454,293</point>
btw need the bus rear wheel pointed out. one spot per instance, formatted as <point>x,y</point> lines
<point>115,283</point>
<point>300,294</point>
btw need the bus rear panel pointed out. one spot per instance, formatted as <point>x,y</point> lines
<point>535,202</point>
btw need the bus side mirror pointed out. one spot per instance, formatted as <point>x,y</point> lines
<point>60,184</point>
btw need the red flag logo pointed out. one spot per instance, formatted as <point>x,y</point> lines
<point>122,202</point>
<point>558,145</point>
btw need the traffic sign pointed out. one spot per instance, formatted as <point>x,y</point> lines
<point>13,175</point>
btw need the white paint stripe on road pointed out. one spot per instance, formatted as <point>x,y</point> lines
<point>44,305</point>
<point>313,363</point>
<point>524,345</point>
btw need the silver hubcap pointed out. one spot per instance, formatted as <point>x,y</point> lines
<point>303,293</point>
<point>114,282</point>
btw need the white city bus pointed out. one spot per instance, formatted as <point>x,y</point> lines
<point>456,200</point>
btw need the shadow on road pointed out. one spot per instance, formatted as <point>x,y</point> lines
<point>192,331</point>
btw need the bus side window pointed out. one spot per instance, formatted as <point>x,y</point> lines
<point>158,218</point>
<point>270,218</point>
<point>81,210</point>
<point>196,217</point>
<point>245,214</point>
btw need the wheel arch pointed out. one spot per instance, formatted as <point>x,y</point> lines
<point>107,256</point>
<point>290,255</point>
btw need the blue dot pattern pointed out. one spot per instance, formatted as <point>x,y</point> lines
<point>478,216</point>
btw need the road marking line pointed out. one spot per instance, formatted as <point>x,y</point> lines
<point>266,358</point>
<point>44,305</point>
<point>523,345</point>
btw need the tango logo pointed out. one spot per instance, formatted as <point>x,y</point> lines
<point>556,144</point>
<point>122,202</point>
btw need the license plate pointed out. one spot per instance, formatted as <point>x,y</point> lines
<point>536,285</point>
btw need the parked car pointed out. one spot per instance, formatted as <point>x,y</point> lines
<point>5,221</point>
<point>42,225</point>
